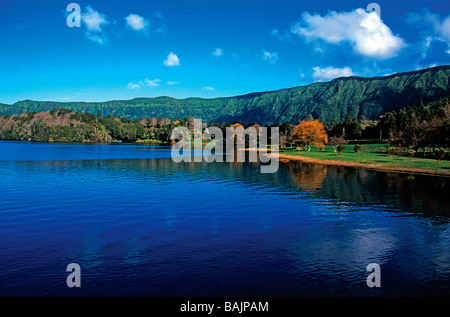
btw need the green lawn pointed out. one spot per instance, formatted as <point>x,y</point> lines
<point>372,154</point>
<point>153,141</point>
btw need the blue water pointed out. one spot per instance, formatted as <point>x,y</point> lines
<point>139,224</point>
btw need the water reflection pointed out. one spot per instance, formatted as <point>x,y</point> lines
<point>419,194</point>
<point>142,225</point>
<point>309,177</point>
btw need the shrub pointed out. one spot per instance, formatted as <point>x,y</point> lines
<point>357,148</point>
<point>410,153</point>
<point>340,148</point>
<point>335,141</point>
<point>439,154</point>
<point>392,150</point>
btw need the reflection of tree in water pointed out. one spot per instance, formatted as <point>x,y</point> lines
<point>420,194</point>
<point>308,176</point>
<point>412,193</point>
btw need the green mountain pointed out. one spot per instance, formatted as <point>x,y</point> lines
<point>328,101</point>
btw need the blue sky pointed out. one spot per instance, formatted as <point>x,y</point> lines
<point>213,48</point>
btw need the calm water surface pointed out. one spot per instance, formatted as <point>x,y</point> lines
<point>139,224</point>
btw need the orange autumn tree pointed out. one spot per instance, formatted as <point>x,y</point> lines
<point>237,125</point>
<point>310,132</point>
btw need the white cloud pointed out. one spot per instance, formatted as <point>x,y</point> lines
<point>98,38</point>
<point>93,20</point>
<point>301,73</point>
<point>435,28</point>
<point>277,34</point>
<point>136,22</point>
<point>329,73</point>
<point>439,26</point>
<point>209,88</point>
<point>425,46</point>
<point>172,60</point>
<point>152,83</point>
<point>445,29</point>
<point>132,85</point>
<point>158,22</point>
<point>218,52</point>
<point>144,83</point>
<point>365,31</point>
<point>172,83</point>
<point>270,57</point>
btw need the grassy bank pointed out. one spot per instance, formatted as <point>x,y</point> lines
<point>152,141</point>
<point>371,156</point>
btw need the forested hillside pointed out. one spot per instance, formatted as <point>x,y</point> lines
<point>362,98</point>
<point>416,126</point>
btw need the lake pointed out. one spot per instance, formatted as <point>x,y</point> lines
<point>139,224</point>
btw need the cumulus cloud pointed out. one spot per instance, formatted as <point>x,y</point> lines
<point>94,24</point>
<point>94,21</point>
<point>172,83</point>
<point>132,85</point>
<point>136,22</point>
<point>329,73</point>
<point>270,57</point>
<point>218,52</point>
<point>365,31</point>
<point>280,36</point>
<point>275,32</point>
<point>172,60</point>
<point>433,28</point>
<point>152,83</point>
<point>144,83</point>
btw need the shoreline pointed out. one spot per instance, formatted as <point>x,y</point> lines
<point>377,167</point>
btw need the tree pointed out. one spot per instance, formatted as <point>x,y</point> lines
<point>340,148</point>
<point>285,131</point>
<point>352,128</point>
<point>310,132</point>
<point>237,125</point>
<point>335,141</point>
<point>164,121</point>
<point>153,122</point>
<point>439,154</point>
<point>389,124</point>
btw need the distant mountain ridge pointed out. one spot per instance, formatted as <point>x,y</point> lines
<point>362,97</point>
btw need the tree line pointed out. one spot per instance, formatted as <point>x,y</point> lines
<point>424,128</point>
<point>419,128</point>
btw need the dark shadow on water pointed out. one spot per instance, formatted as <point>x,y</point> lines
<point>422,195</point>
